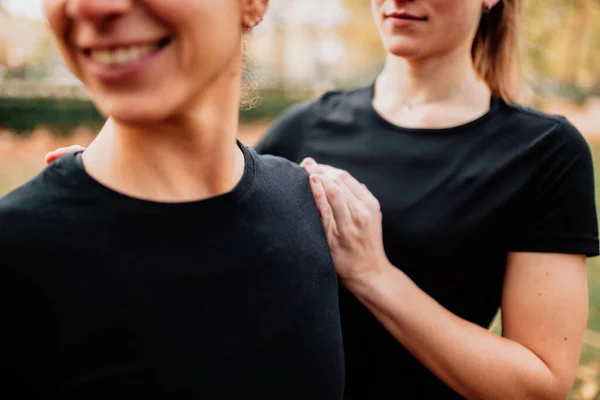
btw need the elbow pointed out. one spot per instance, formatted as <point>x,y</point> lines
<point>531,391</point>
<point>559,389</point>
<point>544,384</point>
<point>557,395</point>
<point>553,381</point>
<point>560,393</point>
<point>552,395</point>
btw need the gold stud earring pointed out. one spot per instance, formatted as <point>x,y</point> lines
<point>252,23</point>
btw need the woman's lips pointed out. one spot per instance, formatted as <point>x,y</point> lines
<point>120,64</point>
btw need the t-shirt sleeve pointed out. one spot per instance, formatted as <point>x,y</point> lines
<point>559,211</point>
<point>285,136</point>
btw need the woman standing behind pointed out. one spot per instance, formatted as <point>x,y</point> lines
<point>485,204</point>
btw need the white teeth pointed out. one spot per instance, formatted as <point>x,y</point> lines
<point>134,53</point>
<point>122,55</point>
<point>102,56</point>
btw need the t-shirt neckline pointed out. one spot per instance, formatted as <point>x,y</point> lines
<point>495,104</point>
<point>221,202</point>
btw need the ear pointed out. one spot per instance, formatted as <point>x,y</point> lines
<point>253,12</point>
<point>487,5</point>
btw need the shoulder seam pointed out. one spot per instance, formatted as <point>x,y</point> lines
<point>540,115</point>
<point>333,94</point>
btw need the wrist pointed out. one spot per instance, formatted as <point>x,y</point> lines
<point>372,281</point>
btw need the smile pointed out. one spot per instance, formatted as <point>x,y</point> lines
<point>124,54</point>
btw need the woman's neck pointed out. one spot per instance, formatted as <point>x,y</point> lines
<point>195,156</point>
<point>436,92</point>
<point>427,80</point>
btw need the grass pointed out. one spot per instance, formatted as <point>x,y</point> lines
<point>21,158</point>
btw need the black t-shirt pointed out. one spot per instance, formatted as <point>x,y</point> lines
<point>455,202</point>
<point>106,296</point>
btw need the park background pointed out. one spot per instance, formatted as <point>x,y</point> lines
<point>302,49</point>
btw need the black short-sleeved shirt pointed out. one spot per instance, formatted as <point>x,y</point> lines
<point>106,297</point>
<point>455,202</point>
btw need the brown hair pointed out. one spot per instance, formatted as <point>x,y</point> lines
<point>496,50</point>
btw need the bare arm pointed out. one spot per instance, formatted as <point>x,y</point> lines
<point>544,317</point>
<point>544,305</point>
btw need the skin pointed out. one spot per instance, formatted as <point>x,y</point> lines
<point>171,129</point>
<point>545,299</point>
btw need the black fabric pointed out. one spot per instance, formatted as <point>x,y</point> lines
<point>455,202</point>
<point>106,296</point>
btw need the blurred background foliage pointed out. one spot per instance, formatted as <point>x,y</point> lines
<point>303,48</point>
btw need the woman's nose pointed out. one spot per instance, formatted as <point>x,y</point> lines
<point>97,10</point>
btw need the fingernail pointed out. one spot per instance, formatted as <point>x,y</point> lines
<point>309,161</point>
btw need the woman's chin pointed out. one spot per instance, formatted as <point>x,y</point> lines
<point>410,49</point>
<point>135,113</point>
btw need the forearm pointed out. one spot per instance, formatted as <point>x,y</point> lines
<point>473,361</point>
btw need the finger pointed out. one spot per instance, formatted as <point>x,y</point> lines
<point>314,169</point>
<point>338,201</point>
<point>321,201</point>
<point>63,151</point>
<point>322,168</point>
<point>354,203</point>
<point>338,175</point>
<point>308,162</point>
<point>355,187</point>
<point>358,190</point>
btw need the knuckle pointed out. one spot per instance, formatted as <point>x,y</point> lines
<point>343,175</point>
<point>335,193</point>
<point>362,217</point>
<point>350,236</point>
<point>374,204</point>
<point>335,245</point>
<point>325,212</point>
<point>328,170</point>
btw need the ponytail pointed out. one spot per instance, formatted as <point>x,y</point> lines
<point>496,50</point>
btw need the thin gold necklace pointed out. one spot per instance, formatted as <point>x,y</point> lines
<point>408,106</point>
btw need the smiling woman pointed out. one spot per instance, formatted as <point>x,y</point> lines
<point>175,54</point>
<point>167,259</point>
